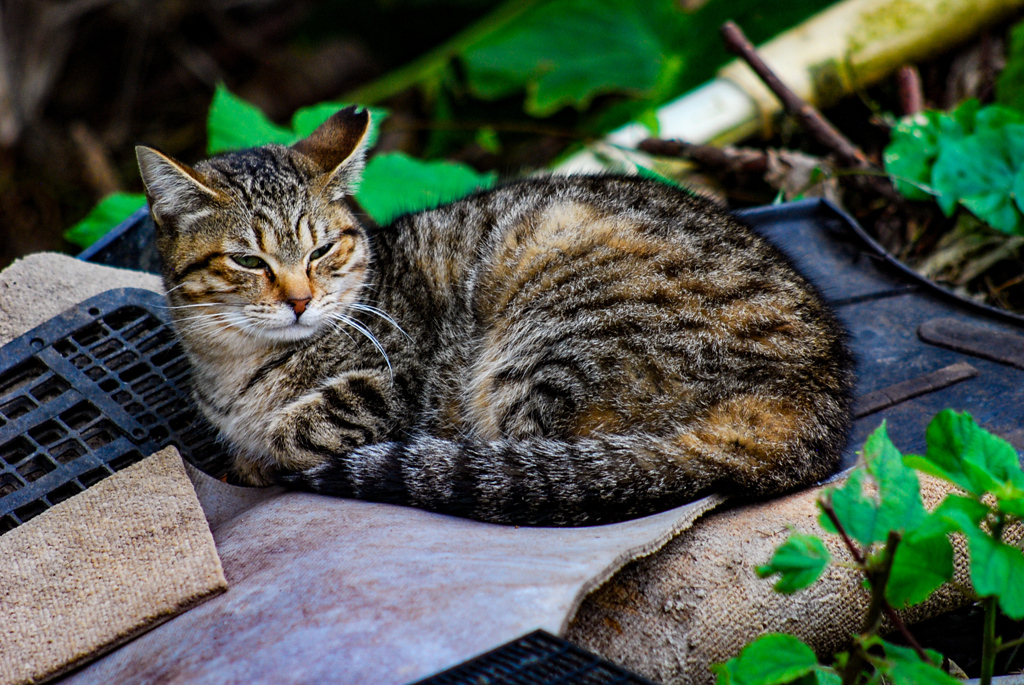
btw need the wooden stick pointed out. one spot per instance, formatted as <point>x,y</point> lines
<point>728,158</point>
<point>908,81</point>
<point>815,124</point>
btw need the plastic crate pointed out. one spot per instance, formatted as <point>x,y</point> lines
<point>88,393</point>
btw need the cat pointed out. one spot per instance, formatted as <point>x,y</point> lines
<point>554,351</point>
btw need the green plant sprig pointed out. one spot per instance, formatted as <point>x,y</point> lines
<point>904,553</point>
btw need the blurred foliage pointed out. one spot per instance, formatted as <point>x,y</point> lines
<point>1010,84</point>
<point>110,212</point>
<point>611,60</point>
<point>395,183</point>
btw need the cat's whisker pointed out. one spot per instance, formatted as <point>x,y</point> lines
<point>370,309</point>
<point>339,326</point>
<point>369,336</point>
<point>202,315</point>
<point>189,306</point>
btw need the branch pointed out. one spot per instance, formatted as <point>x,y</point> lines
<point>908,82</point>
<point>815,124</point>
<point>728,158</point>
<point>830,512</point>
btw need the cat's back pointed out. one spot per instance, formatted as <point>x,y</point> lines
<point>596,305</point>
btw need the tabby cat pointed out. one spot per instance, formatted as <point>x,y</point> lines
<point>555,351</point>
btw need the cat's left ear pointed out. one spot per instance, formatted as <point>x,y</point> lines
<point>174,190</point>
<point>338,148</point>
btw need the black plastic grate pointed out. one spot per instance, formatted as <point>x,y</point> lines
<point>538,658</point>
<point>88,393</point>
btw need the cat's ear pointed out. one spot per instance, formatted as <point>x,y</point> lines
<point>173,189</point>
<point>338,148</point>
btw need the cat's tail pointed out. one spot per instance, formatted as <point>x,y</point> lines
<point>536,481</point>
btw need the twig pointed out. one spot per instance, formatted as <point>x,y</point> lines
<point>728,158</point>
<point>849,154</point>
<point>895,619</point>
<point>908,81</point>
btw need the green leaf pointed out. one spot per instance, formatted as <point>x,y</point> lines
<point>395,183</point>
<point>234,124</point>
<point>916,142</point>
<point>566,52</point>
<point>904,666</point>
<point>881,496</point>
<point>970,157</point>
<point>799,562</point>
<point>977,172</point>
<point>772,659</point>
<point>963,453</point>
<point>921,564</point>
<point>996,568</point>
<point>111,211</point>
<point>911,153</point>
<point>827,676</point>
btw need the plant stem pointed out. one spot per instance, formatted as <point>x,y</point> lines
<point>434,62</point>
<point>990,643</point>
<point>830,512</point>
<point>878,577</point>
<point>989,647</point>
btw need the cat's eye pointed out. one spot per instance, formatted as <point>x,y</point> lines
<point>249,261</point>
<point>320,251</point>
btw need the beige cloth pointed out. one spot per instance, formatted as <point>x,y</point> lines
<point>98,569</point>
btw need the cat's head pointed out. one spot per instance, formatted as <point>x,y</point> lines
<point>260,244</point>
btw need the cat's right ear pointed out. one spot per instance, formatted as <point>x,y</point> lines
<point>173,189</point>
<point>338,148</point>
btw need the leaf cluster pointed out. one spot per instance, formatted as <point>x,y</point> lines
<point>972,157</point>
<point>903,551</point>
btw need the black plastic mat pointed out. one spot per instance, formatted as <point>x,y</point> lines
<point>88,393</point>
<point>539,658</point>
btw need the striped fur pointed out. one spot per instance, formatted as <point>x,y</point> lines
<point>556,351</point>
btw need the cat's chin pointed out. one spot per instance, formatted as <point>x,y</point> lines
<point>295,332</point>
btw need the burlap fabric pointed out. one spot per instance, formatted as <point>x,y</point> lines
<point>95,570</point>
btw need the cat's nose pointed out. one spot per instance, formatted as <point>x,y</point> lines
<point>299,305</point>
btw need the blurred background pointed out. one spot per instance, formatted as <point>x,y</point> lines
<point>83,81</point>
<point>496,88</point>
